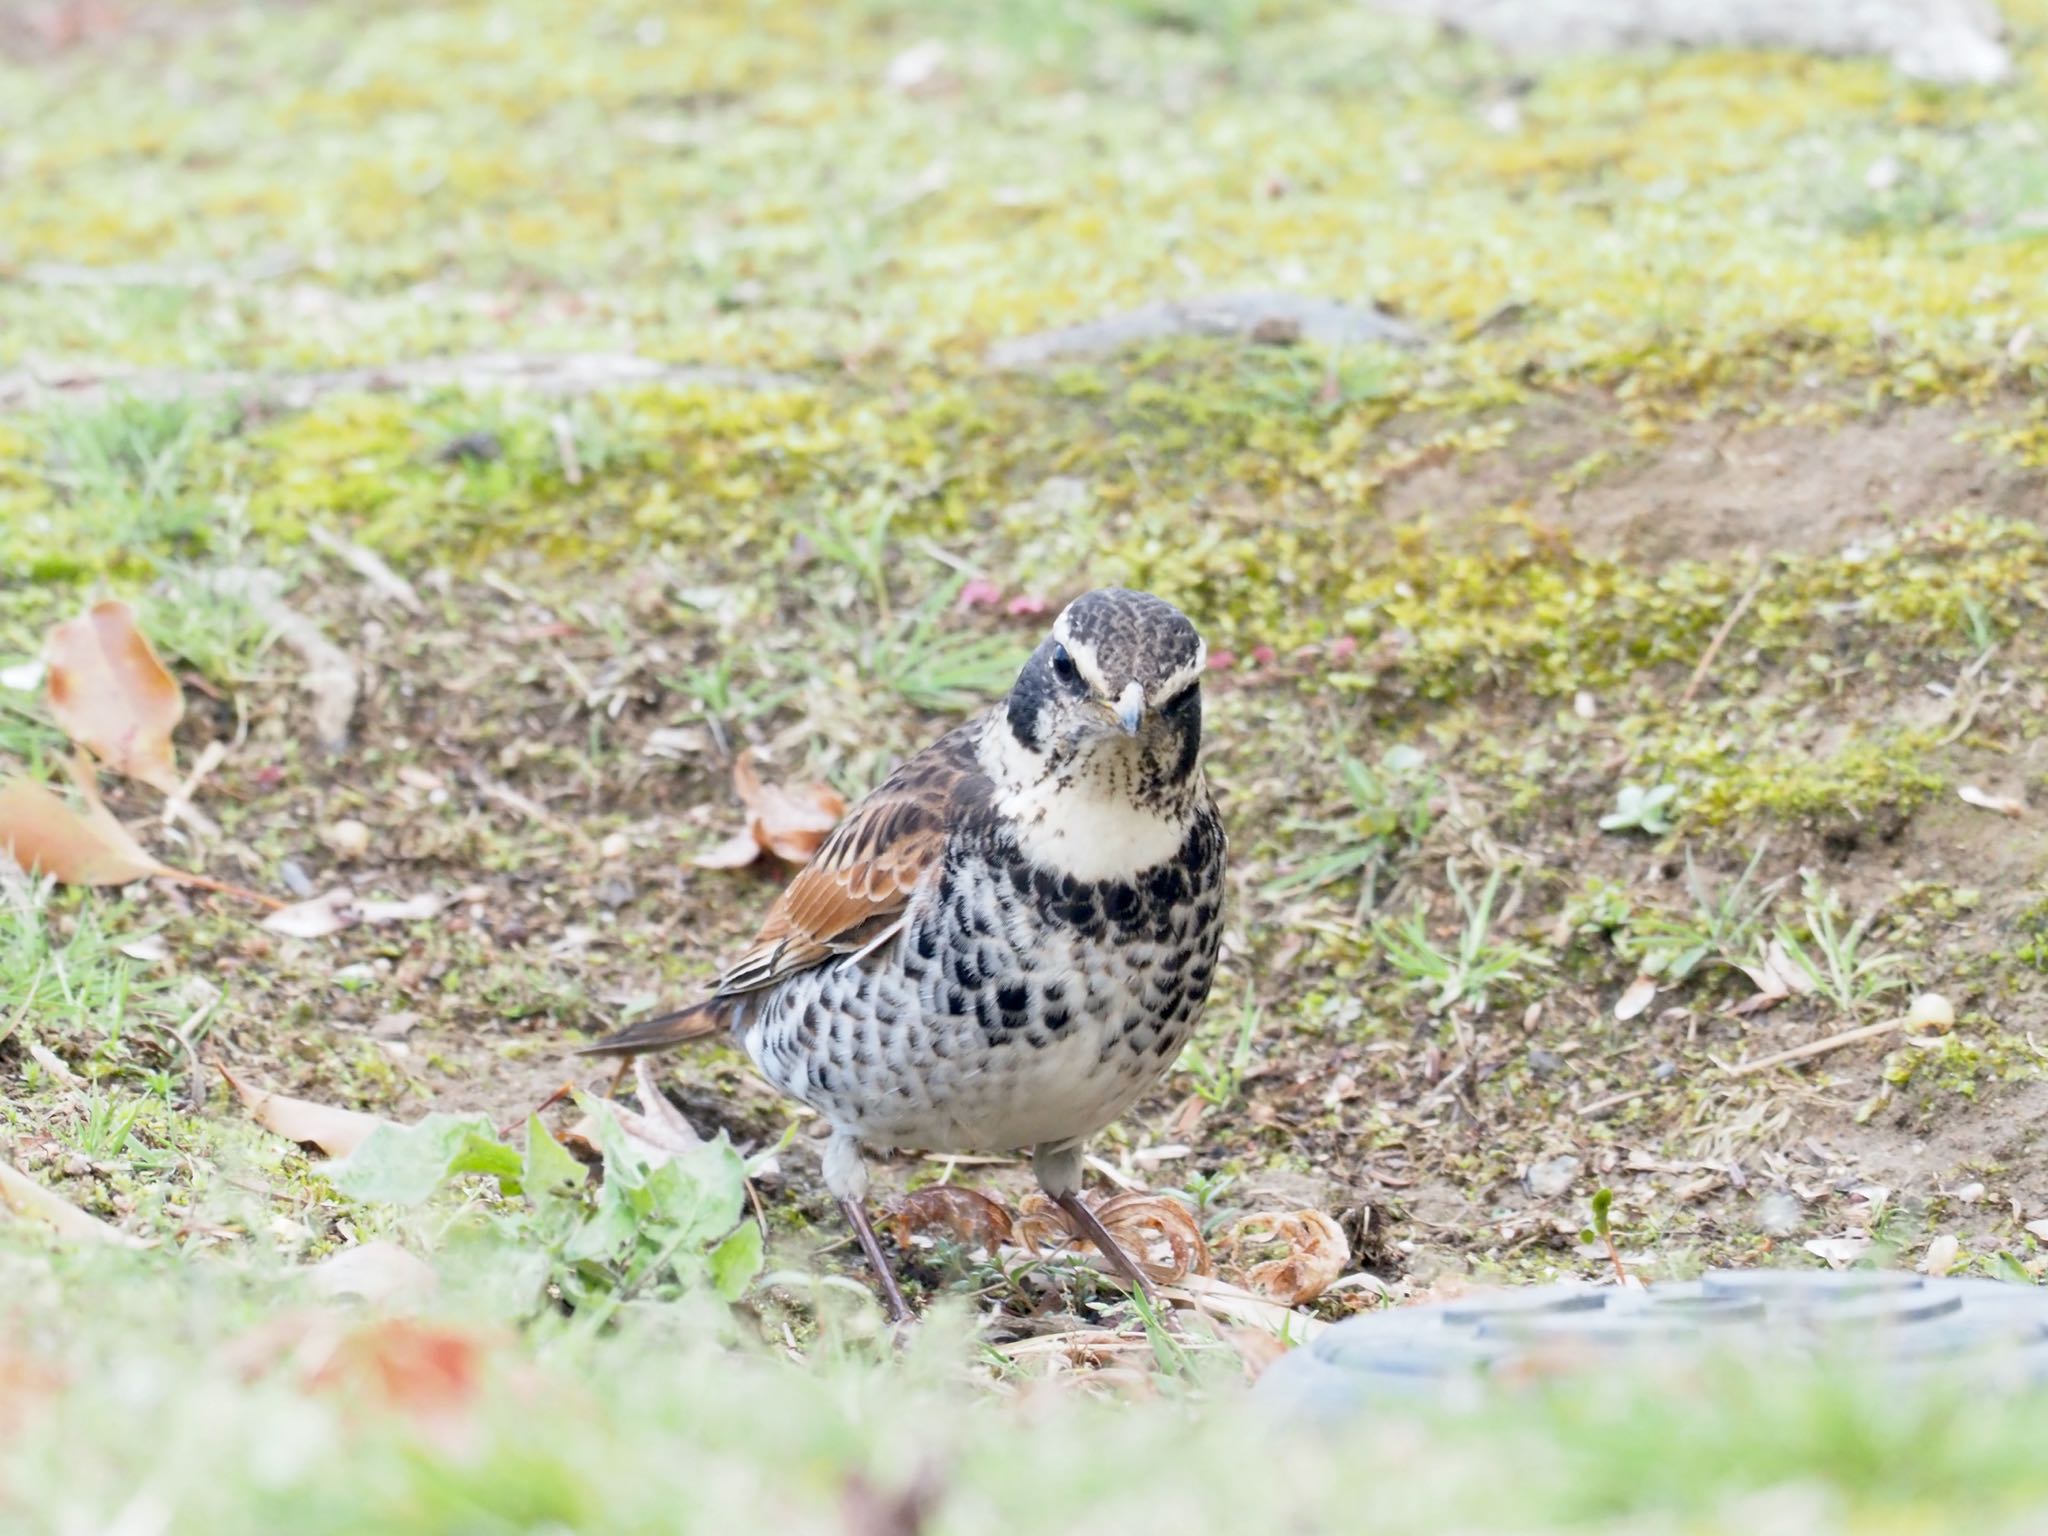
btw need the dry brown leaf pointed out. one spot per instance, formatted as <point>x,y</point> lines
<point>22,1196</point>
<point>378,1272</point>
<point>1984,800</point>
<point>1255,1347</point>
<point>1313,1257</point>
<point>431,1374</point>
<point>1158,1234</point>
<point>111,695</point>
<point>1776,978</point>
<point>1143,1224</point>
<point>414,909</point>
<point>659,1133</point>
<point>789,823</point>
<point>334,1130</point>
<point>736,852</point>
<point>1641,992</point>
<point>965,1215</point>
<point>317,916</point>
<point>45,836</point>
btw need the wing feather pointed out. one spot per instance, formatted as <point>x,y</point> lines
<point>853,894</point>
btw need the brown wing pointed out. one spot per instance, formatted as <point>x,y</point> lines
<point>854,891</point>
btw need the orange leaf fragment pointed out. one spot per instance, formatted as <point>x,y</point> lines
<point>789,823</point>
<point>45,836</point>
<point>965,1215</point>
<point>112,696</point>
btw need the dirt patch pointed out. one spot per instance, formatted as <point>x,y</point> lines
<point>1717,487</point>
<point>1998,1142</point>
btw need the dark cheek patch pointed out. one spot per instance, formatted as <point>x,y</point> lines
<point>1185,715</point>
<point>1027,709</point>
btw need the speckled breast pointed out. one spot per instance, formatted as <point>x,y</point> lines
<point>1017,1007</point>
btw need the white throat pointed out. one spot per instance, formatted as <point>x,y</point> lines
<point>1075,822</point>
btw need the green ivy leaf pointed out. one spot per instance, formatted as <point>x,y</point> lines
<point>406,1164</point>
<point>549,1172</point>
<point>736,1261</point>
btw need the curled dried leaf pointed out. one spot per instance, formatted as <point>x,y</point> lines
<point>111,695</point>
<point>334,1130</point>
<point>965,1215</point>
<point>1040,1224</point>
<point>1292,1257</point>
<point>1158,1234</point>
<point>789,823</point>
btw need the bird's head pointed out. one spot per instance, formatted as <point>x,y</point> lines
<point>1114,691</point>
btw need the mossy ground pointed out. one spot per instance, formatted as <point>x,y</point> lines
<point>1684,360</point>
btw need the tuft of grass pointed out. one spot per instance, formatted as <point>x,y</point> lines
<point>1478,960</point>
<point>1836,953</point>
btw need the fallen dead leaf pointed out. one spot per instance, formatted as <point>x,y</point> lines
<point>1256,1348</point>
<point>1941,1255</point>
<point>736,852</point>
<point>1158,1234</point>
<point>965,1215</point>
<point>1314,1253</point>
<point>1233,1303</point>
<point>1776,977</point>
<point>317,916</point>
<point>658,1132</point>
<point>1641,992</point>
<point>111,695</point>
<point>377,1272</point>
<point>1984,800</point>
<point>431,1374</point>
<point>45,836</point>
<point>22,1196</point>
<point>1838,1252</point>
<point>789,823</point>
<point>334,1130</point>
<point>415,909</point>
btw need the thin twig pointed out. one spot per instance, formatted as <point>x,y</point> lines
<point>1814,1048</point>
<point>208,883</point>
<point>1699,673</point>
<point>1612,1100</point>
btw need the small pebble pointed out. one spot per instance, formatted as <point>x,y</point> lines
<point>1931,1011</point>
<point>295,879</point>
<point>615,846</point>
<point>347,839</point>
<point>1779,1213</point>
<point>1553,1176</point>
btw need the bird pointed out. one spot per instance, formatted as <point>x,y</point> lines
<point>1008,940</point>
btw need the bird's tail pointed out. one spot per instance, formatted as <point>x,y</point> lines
<point>662,1031</point>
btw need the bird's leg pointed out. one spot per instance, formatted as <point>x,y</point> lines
<point>892,1294</point>
<point>1091,1227</point>
<point>846,1175</point>
<point>1058,1166</point>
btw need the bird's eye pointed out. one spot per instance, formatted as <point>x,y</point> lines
<point>1063,664</point>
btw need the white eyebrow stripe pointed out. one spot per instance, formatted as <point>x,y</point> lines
<point>1167,687</point>
<point>1082,655</point>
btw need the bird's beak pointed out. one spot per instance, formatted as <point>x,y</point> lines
<point>1130,708</point>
